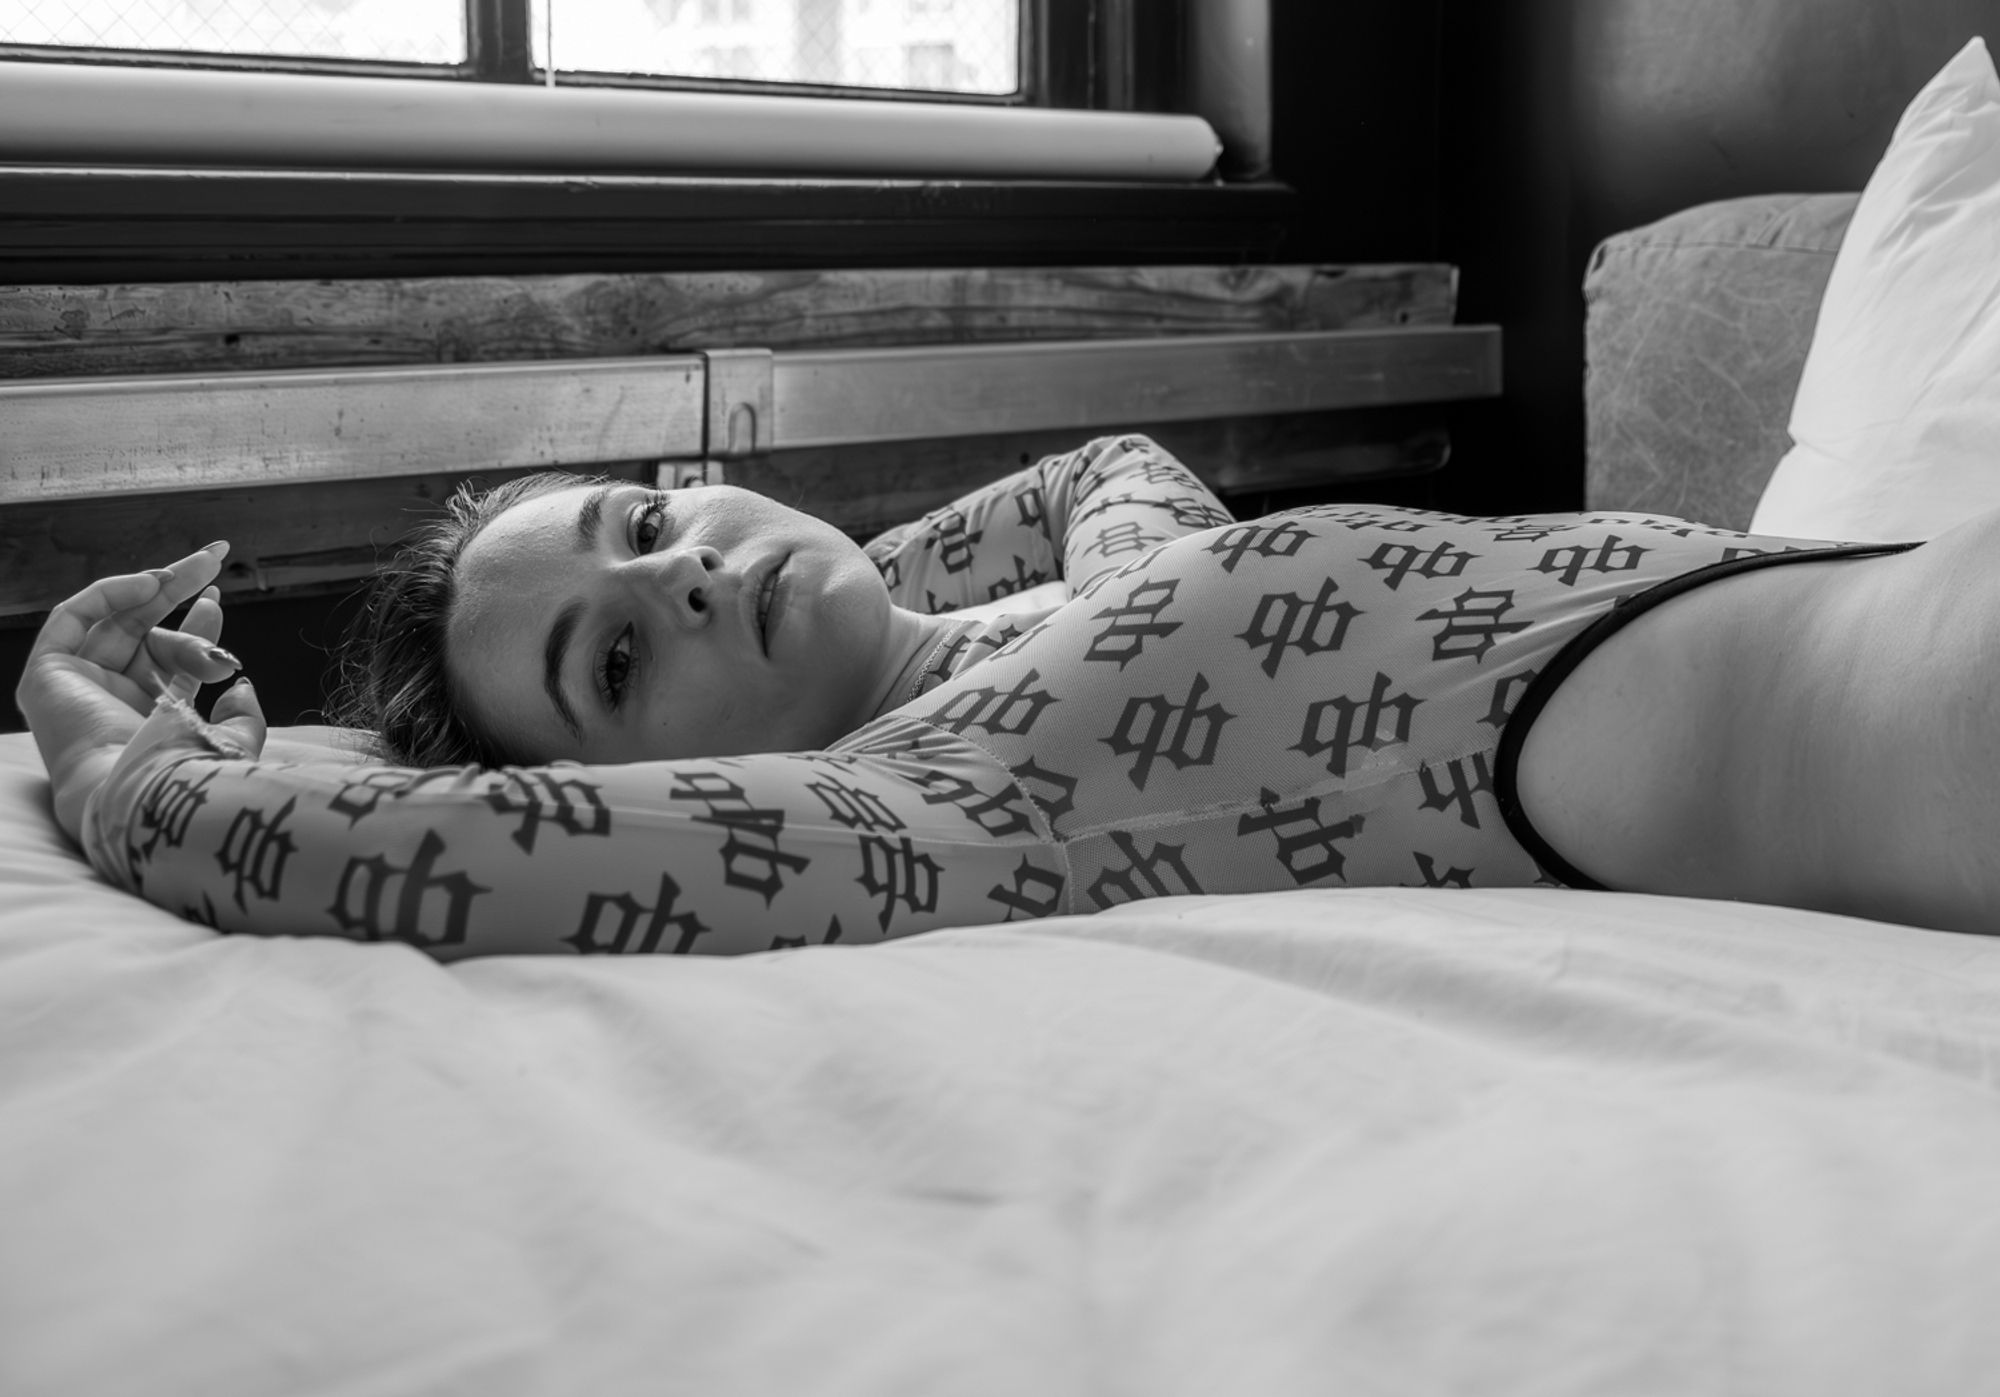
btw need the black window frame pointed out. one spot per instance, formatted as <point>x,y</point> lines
<point>138,223</point>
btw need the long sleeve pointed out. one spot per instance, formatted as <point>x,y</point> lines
<point>901,830</point>
<point>1071,517</point>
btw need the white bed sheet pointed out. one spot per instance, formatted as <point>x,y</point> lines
<point>1367,1141</point>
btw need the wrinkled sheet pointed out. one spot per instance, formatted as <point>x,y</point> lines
<point>1367,1141</point>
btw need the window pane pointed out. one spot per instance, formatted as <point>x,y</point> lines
<point>410,31</point>
<point>927,45</point>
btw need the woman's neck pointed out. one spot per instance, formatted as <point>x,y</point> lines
<point>912,638</point>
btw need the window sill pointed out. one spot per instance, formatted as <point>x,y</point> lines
<point>70,224</point>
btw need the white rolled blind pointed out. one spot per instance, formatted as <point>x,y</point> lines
<point>101,114</point>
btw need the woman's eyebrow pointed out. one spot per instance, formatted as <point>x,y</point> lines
<point>589,516</point>
<point>589,519</point>
<point>553,655</point>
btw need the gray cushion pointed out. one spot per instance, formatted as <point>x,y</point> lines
<point>1698,327</point>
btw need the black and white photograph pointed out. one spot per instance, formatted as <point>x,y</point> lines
<point>968,698</point>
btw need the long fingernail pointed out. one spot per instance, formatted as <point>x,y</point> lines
<point>163,574</point>
<point>218,548</point>
<point>222,657</point>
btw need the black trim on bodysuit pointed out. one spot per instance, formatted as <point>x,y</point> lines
<point>1507,761</point>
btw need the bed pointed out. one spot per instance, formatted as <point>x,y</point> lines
<point>1368,1140</point>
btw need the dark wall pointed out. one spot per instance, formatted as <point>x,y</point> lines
<point>1703,99</point>
<point>1505,195</point>
<point>1355,118</point>
<point>1563,121</point>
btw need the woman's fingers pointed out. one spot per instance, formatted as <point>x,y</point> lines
<point>204,618</point>
<point>70,621</point>
<point>238,713</point>
<point>136,601</point>
<point>179,657</point>
<point>114,635</point>
<point>187,658</point>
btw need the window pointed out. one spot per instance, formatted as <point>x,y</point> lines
<point>177,147</point>
<point>949,46</point>
<point>930,65</point>
<point>959,47</point>
<point>399,31</point>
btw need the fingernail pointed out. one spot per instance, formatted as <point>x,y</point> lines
<point>219,547</point>
<point>163,574</point>
<point>222,657</point>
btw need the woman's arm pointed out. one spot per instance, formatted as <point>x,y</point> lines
<point>727,855</point>
<point>912,831</point>
<point>1070,517</point>
<point>905,830</point>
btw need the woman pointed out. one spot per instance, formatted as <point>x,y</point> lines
<point>777,754</point>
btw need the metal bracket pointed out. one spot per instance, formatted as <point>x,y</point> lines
<point>679,475</point>
<point>741,415</point>
<point>737,417</point>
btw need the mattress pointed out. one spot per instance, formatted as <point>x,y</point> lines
<point>1353,1140</point>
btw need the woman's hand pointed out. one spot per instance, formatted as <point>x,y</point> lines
<point>102,660</point>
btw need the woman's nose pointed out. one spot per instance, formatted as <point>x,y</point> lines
<point>684,579</point>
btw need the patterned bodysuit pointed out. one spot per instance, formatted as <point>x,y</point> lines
<point>1314,699</point>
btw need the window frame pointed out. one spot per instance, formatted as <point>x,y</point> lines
<point>119,226</point>
<point>124,222</point>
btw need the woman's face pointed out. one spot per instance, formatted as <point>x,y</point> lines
<point>614,623</point>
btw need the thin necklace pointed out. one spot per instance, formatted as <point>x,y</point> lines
<point>951,632</point>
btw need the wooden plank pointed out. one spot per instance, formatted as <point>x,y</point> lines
<point>865,489</point>
<point>287,539</point>
<point>66,438</point>
<point>224,326</point>
<point>327,537</point>
<point>827,398</point>
<point>75,437</point>
<point>305,538</point>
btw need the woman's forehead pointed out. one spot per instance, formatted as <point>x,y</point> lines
<point>514,571</point>
<point>512,578</point>
<point>534,536</point>
<point>550,518</point>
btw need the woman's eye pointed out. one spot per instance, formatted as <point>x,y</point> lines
<point>615,673</point>
<point>648,525</point>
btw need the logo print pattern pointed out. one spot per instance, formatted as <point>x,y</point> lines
<point>1311,699</point>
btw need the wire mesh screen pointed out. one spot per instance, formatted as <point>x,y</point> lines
<point>410,31</point>
<point>928,45</point>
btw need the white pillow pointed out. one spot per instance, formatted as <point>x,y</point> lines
<point>1896,426</point>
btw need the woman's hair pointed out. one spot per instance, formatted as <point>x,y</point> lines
<point>391,671</point>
